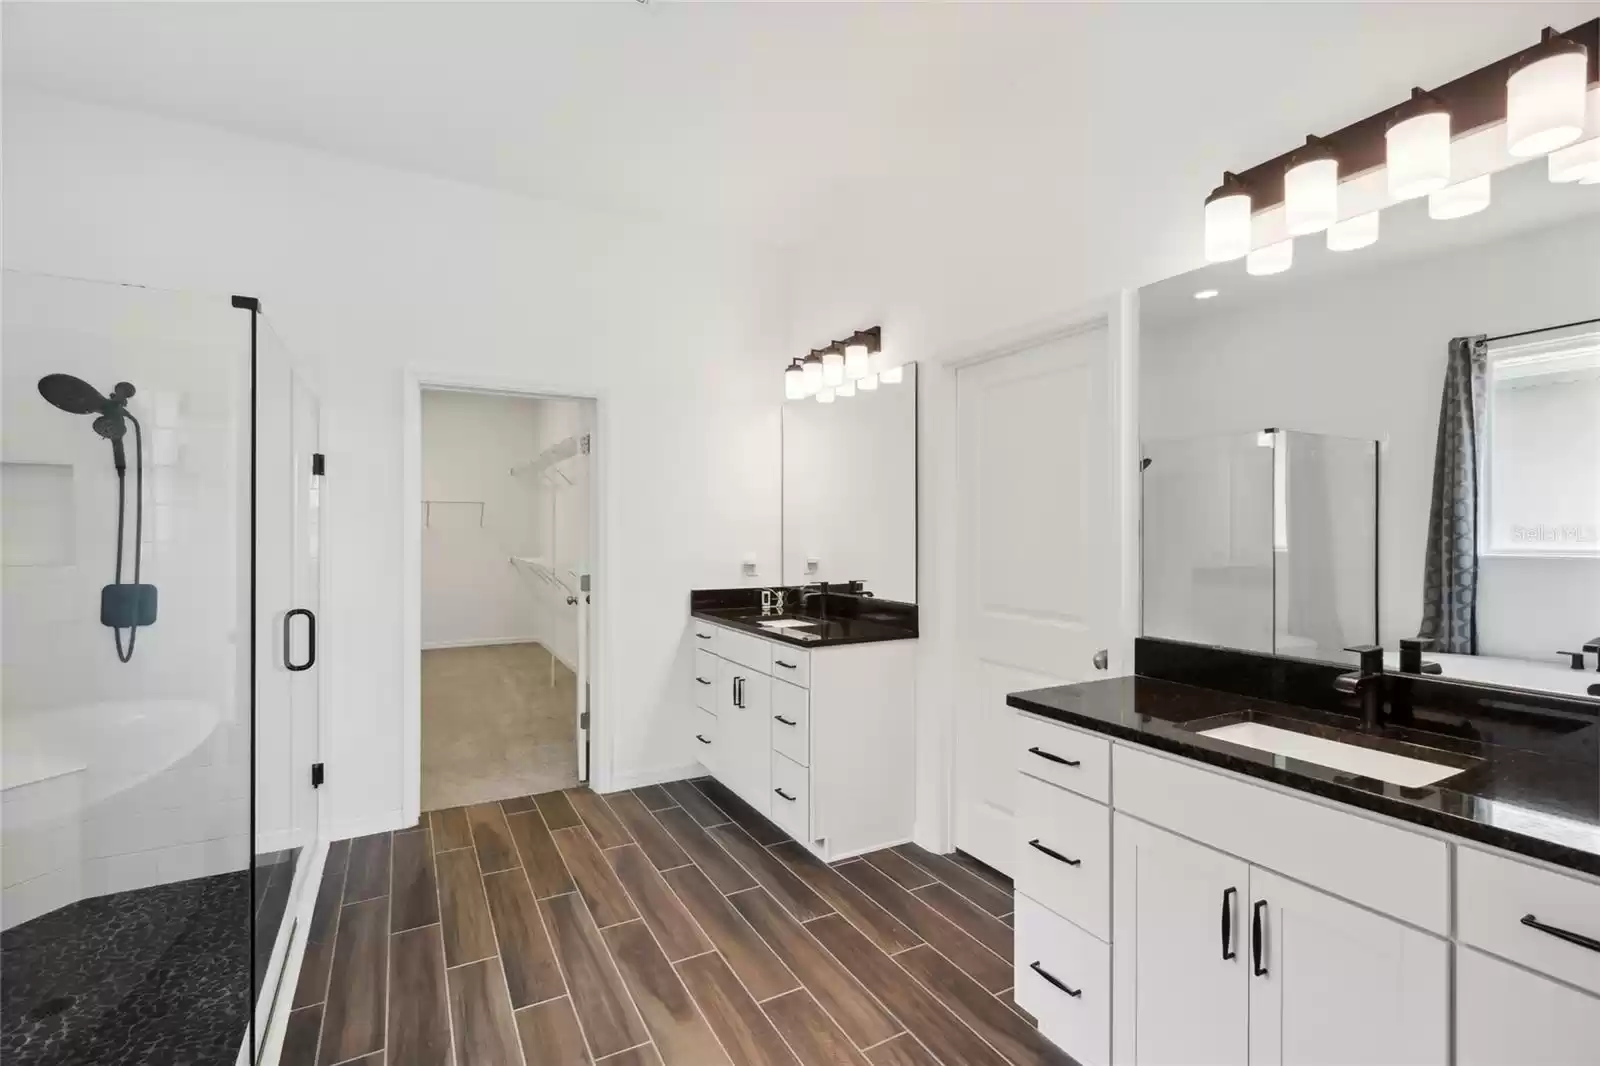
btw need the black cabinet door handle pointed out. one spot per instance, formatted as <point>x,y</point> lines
<point>1256,935</point>
<point>1562,934</point>
<point>311,640</point>
<point>1227,923</point>
<point>782,719</point>
<point>786,666</point>
<point>784,794</point>
<point>703,636</point>
<point>1054,854</point>
<point>701,738</point>
<point>702,680</point>
<point>1048,976</point>
<point>738,692</point>
<point>1054,758</point>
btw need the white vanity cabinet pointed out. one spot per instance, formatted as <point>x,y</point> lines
<point>820,740</point>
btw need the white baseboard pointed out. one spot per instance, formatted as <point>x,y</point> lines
<point>641,778</point>
<point>478,642</point>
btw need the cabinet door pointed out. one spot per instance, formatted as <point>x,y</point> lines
<point>744,732</point>
<point>1341,985</point>
<point>1506,1016</point>
<point>1181,971</point>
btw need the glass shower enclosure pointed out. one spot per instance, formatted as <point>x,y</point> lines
<point>156,811</point>
<point>1263,541</point>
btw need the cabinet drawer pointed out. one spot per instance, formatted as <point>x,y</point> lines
<point>791,722</point>
<point>1389,869</point>
<point>1066,757</point>
<point>1079,1024</point>
<point>704,681</point>
<point>1075,881</point>
<point>791,797</point>
<point>1508,1015</point>
<point>703,738</point>
<point>1494,894</point>
<point>791,664</point>
<point>744,649</point>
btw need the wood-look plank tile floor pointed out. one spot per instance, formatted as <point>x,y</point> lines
<point>669,926</point>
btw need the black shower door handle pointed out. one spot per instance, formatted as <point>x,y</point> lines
<point>311,640</point>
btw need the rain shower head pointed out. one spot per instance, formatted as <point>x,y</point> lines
<point>73,395</point>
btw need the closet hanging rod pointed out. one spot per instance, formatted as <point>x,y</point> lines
<point>1542,329</point>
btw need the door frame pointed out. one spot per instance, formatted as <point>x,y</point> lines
<point>418,378</point>
<point>941,595</point>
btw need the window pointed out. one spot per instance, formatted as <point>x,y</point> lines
<point>1541,479</point>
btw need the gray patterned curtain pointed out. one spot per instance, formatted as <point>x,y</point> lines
<point>1450,569</point>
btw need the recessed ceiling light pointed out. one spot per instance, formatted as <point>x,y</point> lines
<point>1205,294</point>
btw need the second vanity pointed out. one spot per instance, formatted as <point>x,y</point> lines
<point>807,718</point>
<point>1187,898</point>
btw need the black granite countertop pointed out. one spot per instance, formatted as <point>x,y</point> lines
<point>818,633</point>
<point>1529,783</point>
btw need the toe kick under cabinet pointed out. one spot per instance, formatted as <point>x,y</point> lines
<point>820,740</point>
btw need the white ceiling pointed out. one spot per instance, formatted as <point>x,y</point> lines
<point>788,122</point>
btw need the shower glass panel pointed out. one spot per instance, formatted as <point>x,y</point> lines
<point>125,713</point>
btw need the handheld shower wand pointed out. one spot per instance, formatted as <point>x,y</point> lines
<point>122,606</point>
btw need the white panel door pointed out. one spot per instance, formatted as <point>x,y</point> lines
<point>1342,986</point>
<point>1038,555</point>
<point>744,732</point>
<point>1181,958</point>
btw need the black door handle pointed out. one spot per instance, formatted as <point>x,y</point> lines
<point>1054,854</point>
<point>1227,923</point>
<point>738,684</point>
<point>702,680</point>
<point>1054,758</point>
<point>311,640</point>
<point>784,794</point>
<point>1562,934</point>
<point>1257,934</point>
<point>1048,976</point>
<point>701,738</point>
<point>782,719</point>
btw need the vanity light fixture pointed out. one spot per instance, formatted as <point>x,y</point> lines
<point>1461,199</point>
<point>1417,147</point>
<point>1205,294</point>
<point>1577,162</point>
<point>1311,189</point>
<point>1227,220</point>
<point>1272,259</point>
<point>825,395</point>
<point>857,365</point>
<point>1348,234</point>
<point>794,382</point>
<point>832,366</point>
<point>868,383</point>
<point>1545,96</point>
<point>892,376</point>
<point>811,367</point>
<point>845,390</point>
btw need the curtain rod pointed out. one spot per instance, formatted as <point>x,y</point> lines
<point>1541,329</point>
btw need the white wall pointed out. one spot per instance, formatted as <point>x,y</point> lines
<point>1363,355</point>
<point>366,271</point>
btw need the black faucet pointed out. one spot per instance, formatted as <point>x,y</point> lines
<point>1367,683</point>
<point>816,588</point>
<point>1594,646</point>
<point>1411,661</point>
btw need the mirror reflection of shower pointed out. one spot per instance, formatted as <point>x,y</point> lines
<point>122,606</point>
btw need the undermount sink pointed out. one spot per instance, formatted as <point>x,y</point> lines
<point>1400,770</point>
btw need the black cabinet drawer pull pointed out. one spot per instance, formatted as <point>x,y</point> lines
<point>1054,854</point>
<point>701,738</point>
<point>702,680</point>
<point>1048,976</point>
<point>786,666</point>
<point>1257,934</point>
<point>784,794</point>
<point>1227,923</point>
<point>1054,758</point>
<point>784,720</point>
<point>703,636</point>
<point>1561,934</point>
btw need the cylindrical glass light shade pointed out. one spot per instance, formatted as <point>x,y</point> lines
<point>868,383</point>
<point>892,376</point>
<point>1578,162</point>
<point>1545,98</point>
<point>824,395</point>
<point>833,367</point>
<point>1311,196</point>
<point>1349,234</point>
<point>1461,199</point>
<point>1227,222</point>
<point>794,383</point>
<point>811,368</point>
<point>1273,259</point>
<point>1418,155</point>
<point>855,361</point>
<point>845,390</point>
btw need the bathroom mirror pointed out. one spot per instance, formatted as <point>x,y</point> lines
<point>850,489</point>
<point>1488,534</point>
